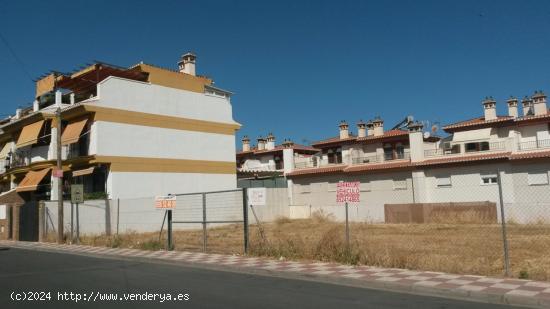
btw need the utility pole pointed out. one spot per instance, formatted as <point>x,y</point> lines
<point>60,181</point>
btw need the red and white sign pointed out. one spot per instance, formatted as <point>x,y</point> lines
<point>347,192</point>
<point>165,202</point>
<point>57,173</point>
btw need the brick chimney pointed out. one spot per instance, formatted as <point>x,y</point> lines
<point>512,103</point>
<point>527,105</point>
<point>378,125</point>
<point>490,108</point>
<point>344,129</point>
<point>187,63</point>
<point>246,143</point>
<point>539,103</point>
<point>270,142</point>
<point>361,129</point>
<point>261,143</point>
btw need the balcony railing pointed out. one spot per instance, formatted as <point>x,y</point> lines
<point>20,158</point>
<point>380,158</point>
<point>477,147</point>
<point>538,144</point>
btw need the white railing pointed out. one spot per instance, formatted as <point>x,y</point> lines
<point>366,159</point>
<point>530,145</point>
<point>460,148</point>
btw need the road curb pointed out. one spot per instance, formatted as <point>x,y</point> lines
<point>269,267</point>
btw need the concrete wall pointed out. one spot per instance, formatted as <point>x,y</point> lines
<point>143,97</point>
<point>523,203</point>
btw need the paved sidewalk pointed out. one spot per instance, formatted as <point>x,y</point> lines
<point>477,288</point>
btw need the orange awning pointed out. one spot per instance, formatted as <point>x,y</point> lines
<point>31,180</point>
<point>29,134</point>
<point>72,132</point>
<point>86,171</point>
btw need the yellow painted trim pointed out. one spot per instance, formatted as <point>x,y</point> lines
<point>161,165</point>
<point>160,121</point>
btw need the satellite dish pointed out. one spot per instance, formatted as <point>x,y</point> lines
<point>426,134</point>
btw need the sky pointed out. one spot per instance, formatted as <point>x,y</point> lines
<point>297,68</point>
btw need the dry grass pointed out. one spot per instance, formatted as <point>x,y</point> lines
<point>453,248</point>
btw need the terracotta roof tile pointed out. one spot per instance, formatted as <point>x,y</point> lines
<point>332,140</point>
<point>318,170</point>
<point>377,166</point>
<point>530,155</point>
<point>464,158</point>
<point>390,133</point>
<point>500,119</point>
<point>278,148</point>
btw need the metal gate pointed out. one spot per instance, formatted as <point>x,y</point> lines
<point>212,208</point>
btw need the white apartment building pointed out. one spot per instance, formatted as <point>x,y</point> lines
<point>269,161</point>
<point>126,133</point>
<point>409,166</point>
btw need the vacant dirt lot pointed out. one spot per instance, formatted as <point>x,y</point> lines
<point>454,248</point>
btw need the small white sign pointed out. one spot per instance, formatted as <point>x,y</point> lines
<point>165,202</point>
<point>256,196</point>
<point>3,215</point>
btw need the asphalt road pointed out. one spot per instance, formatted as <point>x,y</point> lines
<point>23,271</point>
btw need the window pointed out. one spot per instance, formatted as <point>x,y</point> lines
<point>537,179</point>
<point>443,182</point>
<point>388,152</point>
<point>489,179</point>
<point>400,184</point>
<point>400,151</point>
<point>481,146</point>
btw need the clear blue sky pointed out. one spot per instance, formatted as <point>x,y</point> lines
<point>297,69</point>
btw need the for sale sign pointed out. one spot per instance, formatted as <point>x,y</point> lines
<point>165,202</point>
<point>347,192</point>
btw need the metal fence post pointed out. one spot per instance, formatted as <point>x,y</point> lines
<point>41,221</point>
<point>77,226</point>
<point>347,228</point>
<point>117,214</point>
<point>170,240</point>
<point>503,224</point>
<point>204,222</point>
<point>245,220</point>
<point>72,224</point>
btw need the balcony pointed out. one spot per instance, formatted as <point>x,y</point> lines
<point>20,158</point>
<point>312,162</point>
<point>466,148</point>
<point>533,145</point>
<point>380,158</point>
<point>76,150</point>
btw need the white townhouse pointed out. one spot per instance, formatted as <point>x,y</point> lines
<point>126,133</point>
<point>265,163</point>
<point>411,167</point>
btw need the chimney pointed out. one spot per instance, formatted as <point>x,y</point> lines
<point>246,143</point>
<point>187,63</point>
<point>539,103</point>
<point>378,125</point>
<point>361,129</point>
<point>370,128</point>
<point>18,113</point>
<point>527,106</point>
<point>490,108</point>
<point>58,98</point>
<point>416,141</point>
<point>261,143</point>
<point>288,143</point>
<point>512,106</point>
<point>344,132</point>
<point>270,142</point>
